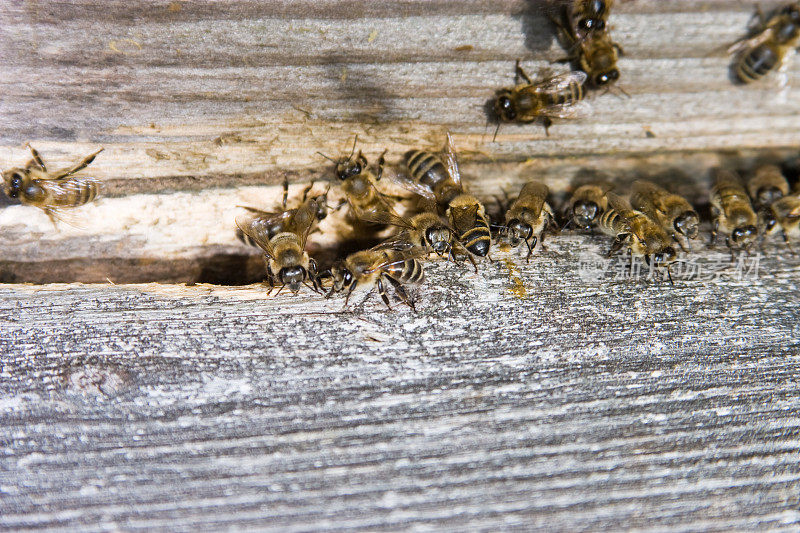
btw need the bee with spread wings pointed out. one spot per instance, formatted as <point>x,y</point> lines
<point>379,267</point>
<point>436,178</point>
<point>282,236</point>
<point>51,191</point>
<point>559,96</point>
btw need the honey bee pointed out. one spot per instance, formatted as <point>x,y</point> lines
<point>586,205</point>
<point>555,97</point>
<point>378,267</point>
<point>426,230</point>
<point>528,216</point>
<point>767,50</point>
<point>643,236</point>
<point>438,179</point>
<point>671,211</point>
<point>283,237</point>
<point>596,54</point>
<point>767,185</point>
<point>358,182</point>
<point>786,214</point>
<point>275,222</point>
<point>589,16</point>
<point>732,211</point>
<point>51,191</point>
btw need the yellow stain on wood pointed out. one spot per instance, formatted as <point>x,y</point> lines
<point>517,287</point>
<point>124,46</point>
<point>372,36</point>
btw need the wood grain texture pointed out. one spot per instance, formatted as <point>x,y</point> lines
<point>561,405</point>
<point>227,99</point>
<point>523,397</point>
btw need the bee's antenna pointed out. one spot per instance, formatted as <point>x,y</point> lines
<point>354,145</point>
<point>328,158</point>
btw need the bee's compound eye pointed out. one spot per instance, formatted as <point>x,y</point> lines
<point>347,277</point>
<point>16,180</point>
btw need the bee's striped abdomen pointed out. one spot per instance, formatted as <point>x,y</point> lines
<point>756,63</point>
<point>426,168</point>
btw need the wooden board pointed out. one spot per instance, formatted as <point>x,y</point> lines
<point>511,399</point>
<point>529,395</point>
<point>203,106</point>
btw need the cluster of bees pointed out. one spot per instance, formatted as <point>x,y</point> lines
<point>447,221</point>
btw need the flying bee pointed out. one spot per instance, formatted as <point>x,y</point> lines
<point>51,191</point>
<point>378,267</point>
<point>786,214</point>
<point>586,205</point>
<point>767,50</point>
<point>732,211</point>
<point>358,182</point>
<point>596,54</point>
<point>528,216</point>
<point>283,237</point>
<point>643,236</point>
<point>672,212</point>
<point>438,179</point>
<point>555,97</point>
<point>589,16</point>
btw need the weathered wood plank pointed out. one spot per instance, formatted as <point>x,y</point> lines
<point>565,405</point>
<point>200,96</point>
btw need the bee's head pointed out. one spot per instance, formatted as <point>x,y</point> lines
<point>322,206</point>
<point>743,235</point>
<point>293,277</point>
<point>589,24</point>
<point>518,231</point>
<point>584,213</point>
<point>438,238</point>
<point>352,166</point>
<point>688,224</point>
<point>768,195</point>
<point>606,78</point>
<point>504,106</point>
<point>15,181</point>
<point>665,256</point>
<point>342,277</point>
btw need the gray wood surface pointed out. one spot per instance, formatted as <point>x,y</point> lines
<point>510,400</point>
<point>526,396</point>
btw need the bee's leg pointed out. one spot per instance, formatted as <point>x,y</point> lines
<point>286,192</point>
<point>531,247</point>
<point>342,203</point>
<point>619,49</point>
<point>381,163</point>
<point>714,233</point>
<point>382,292</point>
<point>547,122</point>
<point>669,276</point>
<point>305,192</point>
<point>349,292</point>
<point>52,216</point>
<point>36,159</point>
<point>618,243</point>
<point>80,166</point>
<point>270,279</point>
<point>730,249</point>
<point>519,73</point>
<point>312,274</point>
<point>401,292</point>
